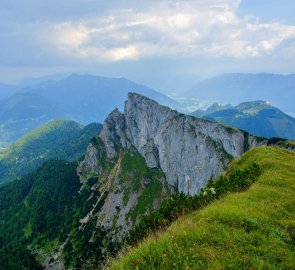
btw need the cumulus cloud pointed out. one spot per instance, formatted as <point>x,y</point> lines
<point>104,33</point>
<point>169,28</point>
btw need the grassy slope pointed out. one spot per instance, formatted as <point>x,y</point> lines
<point>254,229</point>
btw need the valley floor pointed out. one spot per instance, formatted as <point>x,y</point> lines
<point>254,229</point>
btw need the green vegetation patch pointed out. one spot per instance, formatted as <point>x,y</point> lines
<point>146,199</point>
<point>135,175</point>
<point>59,139</point>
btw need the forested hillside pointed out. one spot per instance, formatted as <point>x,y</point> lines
<point>34,211</point>
<point>59,139</point>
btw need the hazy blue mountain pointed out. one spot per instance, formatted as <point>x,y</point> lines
<point>235,88</point>
<point>87,98</point>
<point>82,98</point>
<point>7,90</point>
<point>29,81</point>
<point>215,107</point>
<point>257,117</point>
<point>23,112</point>
<point>25,105</point>
<point>59,139</point>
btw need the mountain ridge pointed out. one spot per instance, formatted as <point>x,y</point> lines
<point>81,98</point>
<point>99,88</point>
<point>256,117</point>
<point>235,88</point>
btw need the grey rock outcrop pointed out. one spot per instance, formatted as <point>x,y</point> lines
<point>190,150</point>
<point>113,133</point>
<point>187,149</point>
<point>90,165</point>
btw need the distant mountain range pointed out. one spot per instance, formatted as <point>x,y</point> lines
<point>7,90</point>
<point>88,98</point>
<point>82,98</point>
<point>258,118</point>
<point>235,88</point>
<point>23,112</point>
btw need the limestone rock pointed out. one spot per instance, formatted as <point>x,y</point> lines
<point>187,149</point>
<point>90,164</point>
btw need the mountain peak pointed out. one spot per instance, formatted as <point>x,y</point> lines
<point>253,106</point>
<point>153,129</point>
<point>133,96</point>
<point>136,100</point>
<point>115,113</point>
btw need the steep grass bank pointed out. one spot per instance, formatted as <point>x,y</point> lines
<point>254,229</point>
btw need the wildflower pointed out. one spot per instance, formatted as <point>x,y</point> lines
<point>213,190</point>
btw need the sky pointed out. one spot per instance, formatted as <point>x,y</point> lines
<point>164,44</point>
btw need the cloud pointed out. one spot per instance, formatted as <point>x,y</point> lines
<point>169,29</point>
<point>91,33</point>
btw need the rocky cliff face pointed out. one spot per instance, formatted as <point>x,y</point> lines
<point>127,188</point>
<point>143,155</point>
<point>188,150</point>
